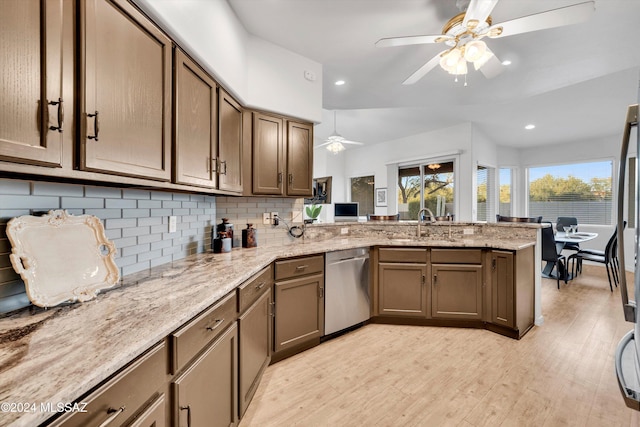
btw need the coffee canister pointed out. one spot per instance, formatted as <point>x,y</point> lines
<point>249,237</point>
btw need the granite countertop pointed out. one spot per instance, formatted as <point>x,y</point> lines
<point>56,355</point>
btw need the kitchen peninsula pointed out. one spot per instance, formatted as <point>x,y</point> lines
<point>62,353</point>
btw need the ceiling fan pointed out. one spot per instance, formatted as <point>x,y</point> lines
<point>335,142</point>
<point>464,32</point>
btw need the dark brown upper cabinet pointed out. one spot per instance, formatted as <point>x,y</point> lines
<point>31,104</point>
<point>229,143</point>
<point>195,124</point>
<point>299,159</point>
<point>125,92</point>
<point>282,163</point>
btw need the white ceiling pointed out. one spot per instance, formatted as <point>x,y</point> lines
<point>573,82</point>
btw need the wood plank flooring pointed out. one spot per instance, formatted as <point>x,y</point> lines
<point>559,374</point>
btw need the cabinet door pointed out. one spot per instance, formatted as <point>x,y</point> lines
<point>206,394</point>
<point>195,95</point>
<point>402,289</point>
<point>456,291</point>
<point>126,115</point>
<point>502,301</point>
<point>254,330</point>
<point>268,157</point>
<point>299,159</point>
<point>31,115</point>
<point>230,144</point>
<point>299,311</point>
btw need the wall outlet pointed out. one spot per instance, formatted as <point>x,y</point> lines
<point>266,218</point>
<point>467,231</point>
<point>173,224</point>
<point>275,221</point>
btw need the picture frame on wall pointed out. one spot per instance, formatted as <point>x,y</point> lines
<point>381,197</point>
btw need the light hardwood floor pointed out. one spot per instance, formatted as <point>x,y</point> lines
<point>558,374</point>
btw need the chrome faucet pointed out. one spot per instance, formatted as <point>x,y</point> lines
<point>432,219</point>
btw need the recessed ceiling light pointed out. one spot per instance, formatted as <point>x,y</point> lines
<point>506,62</point>
<point>339,82</point>
<point>530,126</point>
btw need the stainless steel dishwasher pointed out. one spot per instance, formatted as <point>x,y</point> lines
<point>346,299</point>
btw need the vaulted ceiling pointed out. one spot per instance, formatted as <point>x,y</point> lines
<point>572,82</point>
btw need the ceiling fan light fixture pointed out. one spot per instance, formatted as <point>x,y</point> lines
<point>474,50</point>
<point>482,60</point>
<point>335,147</point>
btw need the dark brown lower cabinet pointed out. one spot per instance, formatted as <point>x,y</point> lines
<point>299,311</point>
<point>456,291</point>
<point>128,396</point>
<point>255,336</point>
<point>206,393</point>
<point>512,289</point>
<point>402,290</point>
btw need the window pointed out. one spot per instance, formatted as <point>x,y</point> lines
<point>581,190</point>
<point>428,185</point>
<point>362,192</point>
<point>481,193</point>
<point>504,208</point>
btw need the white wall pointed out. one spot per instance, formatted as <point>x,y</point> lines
<point>258,73</point>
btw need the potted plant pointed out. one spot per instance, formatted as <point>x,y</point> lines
<point>312,212</point>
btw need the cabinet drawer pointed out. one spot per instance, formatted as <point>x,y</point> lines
<point>403,255</point>
<point>299,267</point>
<point>190,339</point>
<point>120,398</point>
<point>456,256</point>
<point>251,290</point>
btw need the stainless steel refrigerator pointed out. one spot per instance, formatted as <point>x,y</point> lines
<point>627,358</point>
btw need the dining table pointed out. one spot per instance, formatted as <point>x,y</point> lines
<point>562,238</point>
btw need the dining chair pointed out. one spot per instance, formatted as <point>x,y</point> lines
<point>566,221</point>
<point>501,218</point>
<point>608,257</point>
<point>550,254</point>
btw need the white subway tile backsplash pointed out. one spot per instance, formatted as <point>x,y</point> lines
<point>120,203</point>
<point>14,186</point>
<point>81,203</point>
<point>56,189</point>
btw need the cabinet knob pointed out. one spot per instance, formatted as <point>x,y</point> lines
<point>435,278</point>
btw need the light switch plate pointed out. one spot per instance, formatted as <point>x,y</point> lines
<point>173,224</point>
<point>266,218</point>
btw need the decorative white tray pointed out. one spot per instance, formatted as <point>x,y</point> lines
<point>62,257</point>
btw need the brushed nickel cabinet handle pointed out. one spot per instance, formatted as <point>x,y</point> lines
<point>224,170</point>
<point>215,325</point>
<point>301,267</point>
<point>260,285</point>
<point>290,178</point>
<point>114,414</point>
<point>320,292</point>
<point>96,126</point>
<point>60,115</point>
<point>424,279</point>
<point>188,409</point>
<point>214,164</point>
<point>279,177</point>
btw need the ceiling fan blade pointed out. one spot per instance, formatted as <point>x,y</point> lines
<point>352,142</point>
<point>422,71</point>
<point>550,19</point>
<point>492,67</point>
<point>478,10</point>
<point>409,40</point>
<point>323,144</point>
